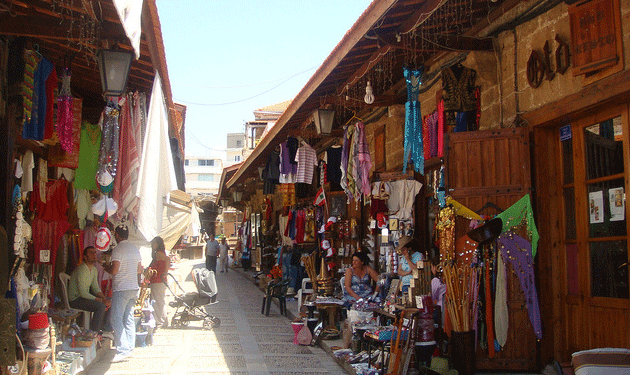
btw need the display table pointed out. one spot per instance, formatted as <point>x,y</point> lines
<point>331,310</point>
<point>88,354</point>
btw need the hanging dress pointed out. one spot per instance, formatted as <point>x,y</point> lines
<point>413,122</point>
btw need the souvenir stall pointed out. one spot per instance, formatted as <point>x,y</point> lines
<point>74,170</point>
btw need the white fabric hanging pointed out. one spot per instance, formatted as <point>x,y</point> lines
<point>501,324</point>
<point>156,177</point>
<point>130,14</point>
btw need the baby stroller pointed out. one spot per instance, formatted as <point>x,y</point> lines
<point>190,306</point>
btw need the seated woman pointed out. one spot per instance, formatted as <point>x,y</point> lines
<point>409,256</point>
<point>358,279</point>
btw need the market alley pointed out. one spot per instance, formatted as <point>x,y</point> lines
<point>245,343</point>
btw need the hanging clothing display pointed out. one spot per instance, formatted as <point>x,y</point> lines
<point>288,166</point>
<point>518,251</point>
<point>108,154</point>
<point>332,158</point>
<point>413,148</point>
<point>519,213</point>
<point>403,196</point>
<point>271,173</point>
<point>85,176</point>
<point>363,163</point>
<point>306,159</point>
<point>125,185</point>
<point>30,65</point>
<point>458,88</point>
<point>64,113</point>
<point>34,128</point>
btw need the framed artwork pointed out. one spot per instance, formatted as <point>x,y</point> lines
<point>393,224</point>
<point>338,205</point>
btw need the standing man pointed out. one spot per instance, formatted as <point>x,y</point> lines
<point>126,268</point>
<point>223,255</point>
<point>212,251</point>
<point>84,292</point>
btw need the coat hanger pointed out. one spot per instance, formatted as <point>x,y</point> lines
<point>354,117</point>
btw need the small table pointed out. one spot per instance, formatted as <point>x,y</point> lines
<point>332,310</point>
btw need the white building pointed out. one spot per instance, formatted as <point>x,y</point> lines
<point>234,152</point>
<point>203,174</point>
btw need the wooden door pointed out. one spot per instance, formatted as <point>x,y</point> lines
<point>595,237</point>
<point>491,169</point>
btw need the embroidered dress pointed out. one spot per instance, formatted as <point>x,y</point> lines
<point>64,113</point>
<point>413,122</point>
<point>108,159</point>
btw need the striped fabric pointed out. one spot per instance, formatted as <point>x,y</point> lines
<point>306,158</point>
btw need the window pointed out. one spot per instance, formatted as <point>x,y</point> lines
<point>186,162</point>
<point>206,177</point>
<point>206,162</point>
<point>237,158</point>
<point>594,190</point>
<point>239,143</point>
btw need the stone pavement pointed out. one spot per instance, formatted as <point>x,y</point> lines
<point>247,342</point>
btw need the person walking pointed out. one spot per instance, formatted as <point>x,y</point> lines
<point>223,255</point>
<point>84,292</point>
<point>212,252</point>
<point>126,267</point>
<point>158,269</point>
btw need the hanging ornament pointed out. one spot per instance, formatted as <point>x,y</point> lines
<point>369,96</point>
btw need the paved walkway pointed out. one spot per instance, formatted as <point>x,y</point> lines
<point>245,343</point>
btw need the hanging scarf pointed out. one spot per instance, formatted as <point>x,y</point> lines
<point>519,213</point>
<point>64,113</point>
<point>363,162</point>
<point>413,122</point>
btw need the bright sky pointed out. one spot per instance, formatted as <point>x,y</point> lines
<point>227,58</point>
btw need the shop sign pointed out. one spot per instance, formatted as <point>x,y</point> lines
<point>539,66</point>
<point>565,133</point>
<point>594,36</point>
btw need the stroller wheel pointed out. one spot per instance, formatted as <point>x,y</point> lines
<point>210,323</point>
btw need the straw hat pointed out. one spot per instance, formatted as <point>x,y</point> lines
<point>403,242</point>
<point>487,232</point>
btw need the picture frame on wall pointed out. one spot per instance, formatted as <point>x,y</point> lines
<point>338,205</point>
<point>393,224</point>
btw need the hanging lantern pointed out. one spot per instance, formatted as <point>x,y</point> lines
<point>237,195</point>
<point>114,67</point>
<point>323,120</point>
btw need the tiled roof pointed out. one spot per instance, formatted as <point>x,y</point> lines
<point>278,107</point>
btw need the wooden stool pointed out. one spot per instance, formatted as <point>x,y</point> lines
<point>332,310</point>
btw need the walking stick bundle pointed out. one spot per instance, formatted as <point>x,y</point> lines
<point>461,295</point>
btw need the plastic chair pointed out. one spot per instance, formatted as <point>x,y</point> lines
<point>87,315</point>
<point>304,291</point>
<point>276,290</point>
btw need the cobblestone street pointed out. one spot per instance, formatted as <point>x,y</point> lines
<point>247,342</point>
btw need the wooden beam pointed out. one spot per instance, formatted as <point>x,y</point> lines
<point>611,90</point>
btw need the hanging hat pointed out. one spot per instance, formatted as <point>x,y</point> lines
<point>103,239</point>
<point>330,222</point>
<point>487,232</point>
<point>404,241</point>
<point>105,181</point>
<point>381,221</point>
<point>103,204</point>
<point>325,244</point>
